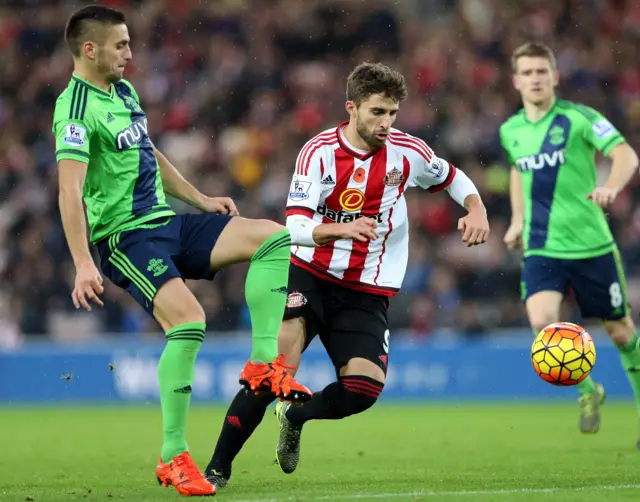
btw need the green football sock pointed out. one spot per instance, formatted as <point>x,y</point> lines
<point>266,294</point>
<point>587,386</point>
<point>630,358</point>
<point>175,376</point>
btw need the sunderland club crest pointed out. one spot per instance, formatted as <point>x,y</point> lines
<point>393,177</point>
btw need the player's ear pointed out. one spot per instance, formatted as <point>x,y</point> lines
<point>350,106</point>
<point>556,77</point>
<point>89,49</point>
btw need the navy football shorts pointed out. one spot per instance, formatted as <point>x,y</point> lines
<point>141,260</point>
<point>597,283</point>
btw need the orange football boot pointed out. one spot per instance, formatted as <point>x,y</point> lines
<point>274,377</point>
<point>183,473</point>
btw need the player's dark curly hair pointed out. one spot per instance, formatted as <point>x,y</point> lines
<point>533,50</point>
<point>375,78</point>
<point>82,23</point>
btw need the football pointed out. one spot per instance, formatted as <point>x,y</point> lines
<point>563,353</point>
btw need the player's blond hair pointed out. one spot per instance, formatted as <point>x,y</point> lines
<point>533,50</point>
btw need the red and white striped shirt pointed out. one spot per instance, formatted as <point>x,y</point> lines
<point>335,183</point>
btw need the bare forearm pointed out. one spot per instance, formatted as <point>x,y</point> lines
<point>623,167</point>
<point>326,233</point>
<point>307,233</point>
<point>473,202</point>
<point>75,225</point>
<point>175,185</point>
<point>515,195</point>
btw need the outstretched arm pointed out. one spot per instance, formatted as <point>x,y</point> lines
<point>177,186</point>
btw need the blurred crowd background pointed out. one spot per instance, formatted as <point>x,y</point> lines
<point>234,88</point>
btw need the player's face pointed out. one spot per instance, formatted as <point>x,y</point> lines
<point>374,118</point>
<point>535,78</point>
<point>113,55</point>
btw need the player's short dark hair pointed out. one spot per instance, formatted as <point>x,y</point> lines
<point>81,23</point>
<point>375,78</point>
<point>533,50</point>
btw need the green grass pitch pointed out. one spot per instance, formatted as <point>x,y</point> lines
<point>450,452</point>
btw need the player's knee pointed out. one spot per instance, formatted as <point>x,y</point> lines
<point>540,321</point>
<point>240,240</point>
<point>363,367</point>
<point>620,331</point>
<point>195,313</point>
<point>171,318</point>
<point>267,228</point>
<point>272,226</point>
<point>359,393</point>
<point>259,232</point>
<point>175,305</point>
<point>543,308</point>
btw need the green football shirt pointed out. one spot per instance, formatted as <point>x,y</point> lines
<point>108,131</point>
<point>555,157</point>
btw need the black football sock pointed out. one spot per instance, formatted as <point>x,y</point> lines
<point>243,416</point>
<point>350,395</point>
